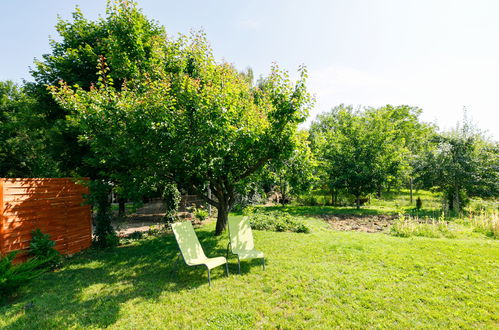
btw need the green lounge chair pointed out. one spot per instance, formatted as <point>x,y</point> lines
<point>241,241</point>
<point>191,250</point>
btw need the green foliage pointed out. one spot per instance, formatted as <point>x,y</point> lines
<point>23,148</point>
<point>360,151</point>
<point>295,174</point>
<point>105,235</point>
<point>462,164</point>
<point>419,203</point>
<point>13,276</point>
<point>181,116</point>
<point>201,214</point>
<point>136,235</point>
<point>171,199</point>
<point>275,221</point>
<point>42,246</point>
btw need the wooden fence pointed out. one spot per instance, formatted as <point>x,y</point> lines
<point>55,206</point>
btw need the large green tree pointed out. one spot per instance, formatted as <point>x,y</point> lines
<point>189,119</point>
<point>23,137</point>
<point>462,164</point>
<point>362,150</point>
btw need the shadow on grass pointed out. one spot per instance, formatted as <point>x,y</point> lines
<point>90,290</point>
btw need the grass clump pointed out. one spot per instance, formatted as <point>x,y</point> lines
<point>485,223</point>
<point>275,221</point>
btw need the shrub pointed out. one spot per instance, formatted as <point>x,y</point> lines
<point>135,235</point>
<point>201,214</point>
<point>105,235</point>
<point>171,199</point>
<point>419,203</point>
<point>276,221</point>
<point>43,247</point>
<point>13,276</point>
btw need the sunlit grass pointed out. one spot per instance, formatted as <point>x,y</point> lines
<point>323,279</point>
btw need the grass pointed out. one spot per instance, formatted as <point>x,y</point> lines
<point>323,279</point>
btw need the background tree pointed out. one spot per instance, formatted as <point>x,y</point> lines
<point>362,150</point>
<point>295,174</point>
<point>462,164</point>
<point>23,147</point>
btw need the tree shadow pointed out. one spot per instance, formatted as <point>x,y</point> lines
<point>90,289</point>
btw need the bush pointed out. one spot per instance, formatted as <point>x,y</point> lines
<point>171,199</point>
<point>13,276</point>
<point>275,221</point>
<point>419,203</point>
<point>201,214</point>
<point>43,247</point>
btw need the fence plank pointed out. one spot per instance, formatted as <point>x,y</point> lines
<point>55,206</point>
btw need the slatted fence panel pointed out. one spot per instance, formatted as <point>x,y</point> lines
<point>55,206</point>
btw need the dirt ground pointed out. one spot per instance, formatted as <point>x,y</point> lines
<point>364,223</point>
<point>151,214</point>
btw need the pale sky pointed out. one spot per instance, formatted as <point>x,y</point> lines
<point>440,55</point>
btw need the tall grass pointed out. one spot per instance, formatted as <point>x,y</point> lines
<point>485,223</point>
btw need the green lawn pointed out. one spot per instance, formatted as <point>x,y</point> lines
<point>322,279</point>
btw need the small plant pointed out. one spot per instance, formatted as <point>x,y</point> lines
<point>13,276</point>
<point>201,214</point>
<point>43,247</point>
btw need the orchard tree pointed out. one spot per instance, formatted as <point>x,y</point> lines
<point>462,164</point>
<point>192,120</point>
<point>362,150</point>
<point>132,45</point>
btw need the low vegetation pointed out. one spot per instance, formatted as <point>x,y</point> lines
<point>275,221</point>
<point>323,279</point>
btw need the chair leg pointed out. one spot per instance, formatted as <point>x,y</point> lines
<point>239,264</point>
<point>209,277</point>
<point>228,245</point>
<point>227,268</point>
<point>263,263</point>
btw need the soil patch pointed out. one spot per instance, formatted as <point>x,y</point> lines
<point>363,223</point>
<point>151,214</point>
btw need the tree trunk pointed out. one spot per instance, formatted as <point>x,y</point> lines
<point>411,188</point>
<point>379,191</point>
<point>121,206</point>
<point>358,202</point>
<point>222,218</point>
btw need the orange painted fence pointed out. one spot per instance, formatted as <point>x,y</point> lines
<point>55,206</point>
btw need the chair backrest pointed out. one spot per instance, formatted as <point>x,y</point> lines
<point>188,242</point>
<point>240,234</point>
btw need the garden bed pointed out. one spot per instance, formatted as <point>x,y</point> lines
<point>362,223</point>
